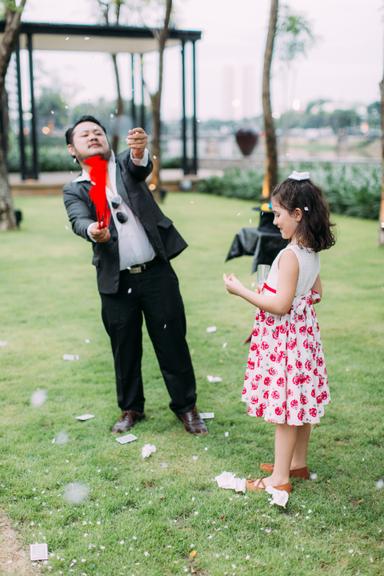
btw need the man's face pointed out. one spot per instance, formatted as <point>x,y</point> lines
<point>89,139</point>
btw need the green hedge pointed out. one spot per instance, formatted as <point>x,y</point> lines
<point>352,189</point>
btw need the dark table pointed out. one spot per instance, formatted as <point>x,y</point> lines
<point>263,242</point>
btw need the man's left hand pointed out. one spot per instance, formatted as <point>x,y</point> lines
<point>137,141</point>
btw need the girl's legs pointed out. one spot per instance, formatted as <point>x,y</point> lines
<point>299,458</point>
<point>285,441</point>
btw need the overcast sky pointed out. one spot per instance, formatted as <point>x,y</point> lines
<point>345,65</point>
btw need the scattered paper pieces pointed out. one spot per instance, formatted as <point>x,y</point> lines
<point>84,417</point>
<point>61,438</point>
<point>3,343</point>
<point>147,450</point>
<point>228,481</point>
<point>279,497</point>
<point>214,379</point>
<point>313,476</point>
<point>207,415</point>
<point>76,493</point>
<point>126,438</point>
<point>211,329</point>
<point>38,552</point>
<point>71,357</point>
<point>380,484</point>
<point>38,398</point>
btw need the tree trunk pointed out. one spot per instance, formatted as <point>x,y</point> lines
<point>381,217</point>
<point>155,184</point>
<point>9,37</point>
<point>271,159</point>
<point>119,107</point>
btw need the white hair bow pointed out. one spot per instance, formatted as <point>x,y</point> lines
<point>299,176</point>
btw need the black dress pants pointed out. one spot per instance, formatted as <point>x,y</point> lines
<point>155,294</point>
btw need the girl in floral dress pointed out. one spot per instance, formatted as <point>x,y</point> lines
<point>286,379</point>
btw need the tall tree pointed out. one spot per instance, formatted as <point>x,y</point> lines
<point>271,158</point>
<point>10,13</point>
<point>381,217</point>
<point>111,12</point>
<point>294,36</point>
<point>161,35</point>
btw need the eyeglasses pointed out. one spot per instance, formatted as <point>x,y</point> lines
<point>116,201</point>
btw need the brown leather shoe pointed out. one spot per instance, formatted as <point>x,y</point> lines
<point>259,486</point>
<point>192,422</point>
<point>127,420</point>
<point>294,472</point>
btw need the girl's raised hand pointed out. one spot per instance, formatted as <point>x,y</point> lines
<point>232,284</point>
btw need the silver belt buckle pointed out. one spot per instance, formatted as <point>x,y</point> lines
<point>135,269</point>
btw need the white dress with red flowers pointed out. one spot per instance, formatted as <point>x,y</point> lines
<point>286,378</point>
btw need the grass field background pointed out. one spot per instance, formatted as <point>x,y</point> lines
<point>165,515</point>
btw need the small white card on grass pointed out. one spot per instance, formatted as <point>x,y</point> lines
<point>71,357</point>
<point>207,415</point>
<point>84,417</point>
<point>38,552</point>
<point>126,439</point>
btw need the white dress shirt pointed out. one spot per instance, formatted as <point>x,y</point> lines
<point>134,245</point>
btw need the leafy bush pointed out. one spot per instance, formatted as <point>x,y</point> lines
<point>352,189</point>
<point>235,183</point>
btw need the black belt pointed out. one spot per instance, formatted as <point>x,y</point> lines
<point>138,268</point>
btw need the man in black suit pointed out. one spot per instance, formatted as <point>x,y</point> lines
<point>134,275</point>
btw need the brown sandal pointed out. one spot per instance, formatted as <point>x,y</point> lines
<point>294,473</point>
<point>259,486</point>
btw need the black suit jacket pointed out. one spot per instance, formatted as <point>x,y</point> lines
<point>130,183</point>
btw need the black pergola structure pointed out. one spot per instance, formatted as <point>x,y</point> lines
<point>108,39</point>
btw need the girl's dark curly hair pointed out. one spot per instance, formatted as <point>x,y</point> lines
<point>314,229</point>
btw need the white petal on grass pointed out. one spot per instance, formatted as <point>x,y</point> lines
<point>87,341</point>
<point>61,438</point>
<point>3,343</point>
<point>71,357</point>
<point>39,397</point>
<point>380,484</point>
<point>279,497</point>
<point>147,450</point>
<point>76,493</point>
<point>214,379</point>
<point>228,481</point>
<point>211,329</point>
<point>313,476</point>
<point>225,344</point>
<point>226,434</point>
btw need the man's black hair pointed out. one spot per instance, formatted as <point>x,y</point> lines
<point>85,118</point>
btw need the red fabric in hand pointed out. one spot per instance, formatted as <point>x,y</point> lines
<point>97,193</point>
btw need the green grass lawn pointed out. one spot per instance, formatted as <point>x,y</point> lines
<point>145,517</point>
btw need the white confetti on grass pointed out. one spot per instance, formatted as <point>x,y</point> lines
<point>214,379</point>
<point>228,481</point>
<point>76,493</point>
<point>71,357</point>
<point>61,438</point>
<point>313,476</point>
<point>85,417</point>
<point>38,552</point>
<point>3,343</point>
<point>211,329</point>
<point>279,497</point>
<point>380,484</point>
<point>39,397</point>
<point>147,450</point>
